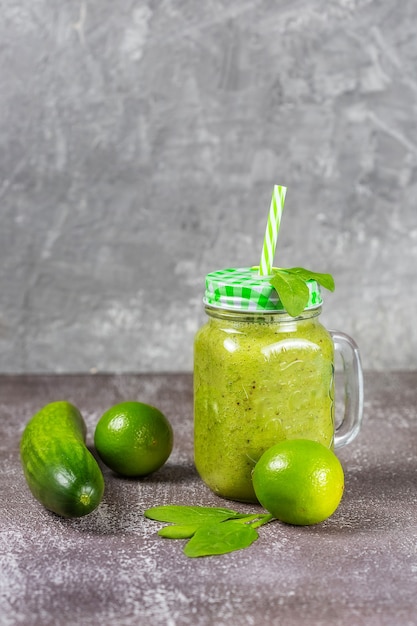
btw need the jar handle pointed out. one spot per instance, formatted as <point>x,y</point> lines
<point>348,429</point>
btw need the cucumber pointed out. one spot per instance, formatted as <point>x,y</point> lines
<point>60,470</point>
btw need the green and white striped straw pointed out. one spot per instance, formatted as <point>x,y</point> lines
<point>272,229</point>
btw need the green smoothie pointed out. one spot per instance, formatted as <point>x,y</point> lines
<point>258,379</point>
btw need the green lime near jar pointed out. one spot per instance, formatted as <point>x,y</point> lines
<point>133,439</point>
<point>299,481</point>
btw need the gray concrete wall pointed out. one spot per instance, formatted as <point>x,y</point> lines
<point>139,143</point>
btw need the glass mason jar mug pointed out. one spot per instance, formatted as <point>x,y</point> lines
<point>261,376</point>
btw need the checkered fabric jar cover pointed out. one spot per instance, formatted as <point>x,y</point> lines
<point>244,289</point>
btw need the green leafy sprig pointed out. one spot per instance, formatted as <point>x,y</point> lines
<point>291,286</point>
<point>210,530</point>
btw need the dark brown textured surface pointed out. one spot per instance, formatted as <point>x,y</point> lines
<point>110,568</point>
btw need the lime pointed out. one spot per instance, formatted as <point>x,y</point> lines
<point>299,481</point>
<point>133,439</point>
